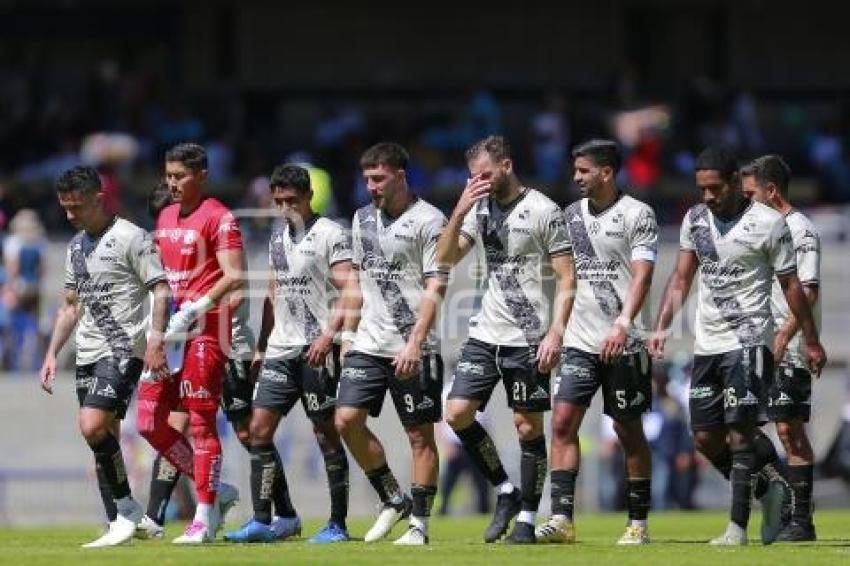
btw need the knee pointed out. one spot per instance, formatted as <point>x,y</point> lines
<point>243,434</point>
<point>93,431</point>
<point>346,422</point>
<point>704,442</point>
<point>327,436</point>
<point>527,429</point>
<point>421,442</point>
<point>564,430</point>
<point>630,434</point>
<point>785,432</point>
<point>458,417</point>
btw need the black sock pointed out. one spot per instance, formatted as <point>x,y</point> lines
<point>801,480</point>
<point>107,454</point>
<point>743,467</point>
<point>105,493</point>
<point>265,474</point>
<point>532,470</point>
<point>764,449</point>
<point>385,484</point>
<point>336,466</point>
<point>280,490</point>
<point>423,499</point>
<point>638,497</point>
<point>164,478</point>
<point>481,449</point>
<point>563,492</point>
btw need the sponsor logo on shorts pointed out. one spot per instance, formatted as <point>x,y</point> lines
<point>539,393</point>
<point>108,392</point>
<point>354,374</point>
<point>639,398</point>
<point>783,400</point>
<point>269,374</point>
<point>578,373</point>
<point>748,399</point>
<point>425,403</point>
<point>704,392</point>
<point>470,368</point>
<point>238,404</point>
<point>189,392</point>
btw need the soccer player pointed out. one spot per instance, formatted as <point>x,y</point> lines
<point>399,286</point>
<point>235,398</point>
<point>201,248</point>
<point>766,180</point>
<point>524,239</point>
<point>738,246</point>
<point>110,267</point>
<point>614,239</point>
<point>306,251</point>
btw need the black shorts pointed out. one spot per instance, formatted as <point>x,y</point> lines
<point>626,384</point>
<point>283,381</point>
<point>108,384</point>
<point>789,397</point>
<point>731,388</point>
<point>365,380</point>
<point>482,365</point>
<point>237,390</point>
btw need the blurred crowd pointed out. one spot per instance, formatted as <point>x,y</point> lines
<point>122,120</point>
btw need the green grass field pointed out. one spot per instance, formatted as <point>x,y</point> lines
<point>678,538</point>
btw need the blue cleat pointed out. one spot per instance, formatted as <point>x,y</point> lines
<point>332,532</point>
<point>285,527</point>
<point>252,531</point>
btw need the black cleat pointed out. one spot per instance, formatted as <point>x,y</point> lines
<point>507,507</point>
<point>797,531</point>
<point>523,533</point>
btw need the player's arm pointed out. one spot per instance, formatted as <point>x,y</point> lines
<point>407,362</point>
<point>267,324</point>
<point>66,320</point>
<point>155,360</point>
<point>455,244</point>
<point>675,293</point>
<point>801,310</point>
<point>319,349</point>
<point>352,302</point>
<point>549,351</point>
<point>790,327</point>
<point>615,342</point>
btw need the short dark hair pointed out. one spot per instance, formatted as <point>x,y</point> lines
<point>79,178</point>
<point>720,159</point>
<point>603,153</point>
<point>769,169</point>
<point>289,175</point>
<point>497,147</point>
<point>385,153</point>
<point>191,155</point>
<point>159,198</point>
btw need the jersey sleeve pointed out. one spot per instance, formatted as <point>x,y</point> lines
<point>807,251</point>
<point>429,236</point>
<point>227,234</point>
<point>356,244</point>
<point>780,249</point>
<point>553,229</point>
<point>469,226</point>
<point>144,259</point>
<point>70,280</point>
<point>339,245</point>
<point>644,240</point>
<point>686,242</point>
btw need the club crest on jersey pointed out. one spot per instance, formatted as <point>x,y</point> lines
<point>594,228</point>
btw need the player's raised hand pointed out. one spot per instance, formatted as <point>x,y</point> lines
<point>48,373</point>
<point>475,190</point>
<point>815,358</point>
<point>548,352</point>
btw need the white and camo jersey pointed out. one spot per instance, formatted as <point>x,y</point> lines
<point>394,258</point>
<point>112,275</point>
<point>304,294</point>
<point>518,243</point>
<point>243,341</point>
<point>604,246</point>
<point>737,266</point>
<point>806,241</point>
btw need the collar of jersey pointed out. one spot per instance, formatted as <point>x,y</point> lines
<point>604,211</point>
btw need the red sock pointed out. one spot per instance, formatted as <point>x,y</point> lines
<point>152,422</point>
<point>207,454</point>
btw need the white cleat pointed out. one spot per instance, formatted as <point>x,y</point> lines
<point>557,529</point>
<point>387,519</point>
<point>149,529</point>
<point>413,537</point>
<point>225,499</point>
<point>121,530</point>
<point>634,535</point>
<point>196,533</point>
<point>734,536</point>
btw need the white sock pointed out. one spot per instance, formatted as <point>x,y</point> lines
<point>735,529</point>
<point>202,513</point>
<point>505,487</point>
<point>420,523</point>
<point>527,517</point>
<point>638,523</point>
